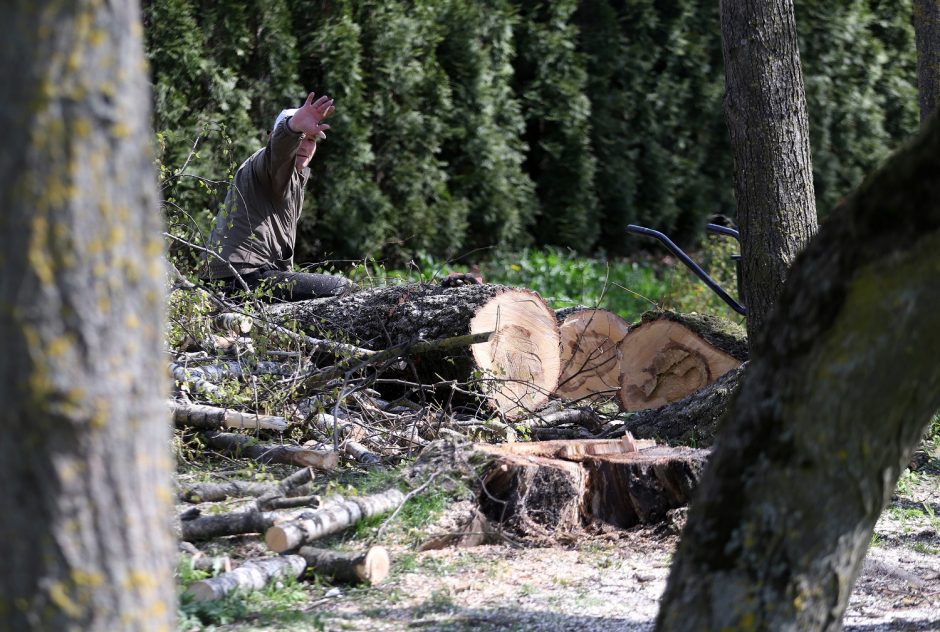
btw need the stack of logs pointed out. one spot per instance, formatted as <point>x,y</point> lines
<point>291,521</point>
<point>498,351</point>
<point>524,352</point>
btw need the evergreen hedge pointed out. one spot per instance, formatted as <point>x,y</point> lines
<point>464,126</point>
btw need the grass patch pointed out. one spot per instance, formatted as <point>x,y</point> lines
<point>627,287</point>
<point>278,603</point>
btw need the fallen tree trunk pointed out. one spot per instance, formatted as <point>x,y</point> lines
<point>290,535</point>
<point>214,492</point>
<point>237,445</point>
<point>668,356</point>
<point>252,520</point>
<point>370,567</point>
<point>690,421</point>
<point>253,575</point>
<point>204,417</point>
<point>234,523</point>
<point>520,362</point>
<point>590,359</point>
<point>552,489</point>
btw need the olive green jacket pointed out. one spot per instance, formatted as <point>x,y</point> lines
<point>257,226</point>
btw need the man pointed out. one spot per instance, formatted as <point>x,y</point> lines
<point>252,242</point>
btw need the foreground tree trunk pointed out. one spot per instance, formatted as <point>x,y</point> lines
<point>765,107</point>
<point>844,381</point>
<point>85,538</point>
<point>927,31</point>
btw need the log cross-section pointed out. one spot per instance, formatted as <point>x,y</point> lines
<point>518,365</point>
<point>669,356</point>
<point>590,358</point>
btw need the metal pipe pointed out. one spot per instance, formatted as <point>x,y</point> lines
<point>723,230</point>
<point>691,265</point>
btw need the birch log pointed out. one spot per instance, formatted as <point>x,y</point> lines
<point>252,575</point>
<point>212,418</point>
<point>242,446</point>
<point>214,492</point>
<point>370,567</point>
<point>290,535</point>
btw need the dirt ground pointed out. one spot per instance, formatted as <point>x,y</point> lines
<point>610,581</point>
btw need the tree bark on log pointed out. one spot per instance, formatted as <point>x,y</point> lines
<point>842,384</point>
<point>253,575</point>
<point>369,567</point>
<point>252,520</point>
<point>590,359</point>
<point>237,445</point>
<point>520,361</point>
<point>234,523</point>
<point>290,535</point>
<point>204,417</point>
<point>214,492</point>
<point>693,421</point>
<point>553,489</point>
<point>668,356</point>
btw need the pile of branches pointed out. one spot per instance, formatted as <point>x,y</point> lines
<point>319,386</point>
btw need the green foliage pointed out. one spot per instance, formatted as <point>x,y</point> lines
<point>551,79</point>
<point>484,149</point>
<point>500,124</point>
<point>861,94</point>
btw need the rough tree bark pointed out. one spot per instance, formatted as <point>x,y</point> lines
<point>844,381</point>
<point>927,32</point>
<point>765,106</point>
<point>519,363</point>
<point>85,462</point>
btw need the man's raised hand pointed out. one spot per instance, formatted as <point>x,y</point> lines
<point>309,117</point>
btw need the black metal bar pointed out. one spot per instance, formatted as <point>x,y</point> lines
<point>723,230</point>
<point>691,265</point>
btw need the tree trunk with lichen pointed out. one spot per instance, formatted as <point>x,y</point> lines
<point>833,400</point>
<point>765,106</point>
<point>84,454</point>
<point>927,31</point>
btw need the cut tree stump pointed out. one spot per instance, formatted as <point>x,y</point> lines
<point>590,358</point>
<point>668,356</point>
<point>520,361</point>
<point>550,489</point>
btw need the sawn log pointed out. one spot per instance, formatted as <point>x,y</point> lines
<point>520,362</point>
